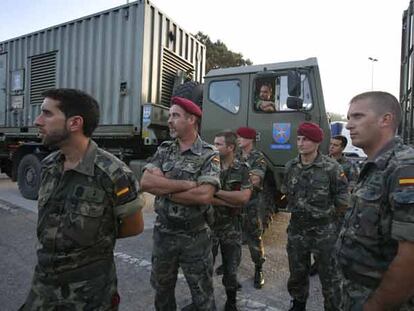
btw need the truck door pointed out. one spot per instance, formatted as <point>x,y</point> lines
<point>224,104</point>
<point>275,123</point>
<point>3,72</point>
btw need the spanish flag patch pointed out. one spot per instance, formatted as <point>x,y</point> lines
<point>216,160</point>
<point>122,191</point>
<point>406,181</point>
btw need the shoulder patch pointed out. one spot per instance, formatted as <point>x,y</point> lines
<point>216,160</point>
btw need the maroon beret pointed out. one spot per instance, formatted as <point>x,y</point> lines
<point>246,132</point>
<point>311,130</point>
<point>187,105</point>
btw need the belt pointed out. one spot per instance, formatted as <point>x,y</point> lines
<point>76,275</point>
<point>309,221</point>
<point>194,224</point>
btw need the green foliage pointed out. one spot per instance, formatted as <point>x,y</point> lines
<point>219,56</point>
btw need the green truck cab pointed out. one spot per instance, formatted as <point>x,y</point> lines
<point>234,97</point>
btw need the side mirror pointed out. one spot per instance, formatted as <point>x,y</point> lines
<point>295,103</point>
<point>294,83</point>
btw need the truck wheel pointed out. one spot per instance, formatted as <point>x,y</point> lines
<point>28,176</point>
<point>191,90</point>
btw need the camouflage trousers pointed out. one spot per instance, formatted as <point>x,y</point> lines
<point>228,239</point>
<point>355,295</point>
<point>319,241</point>
<point>190,251</point>
<point>95,294</point>
<point>253,230</point>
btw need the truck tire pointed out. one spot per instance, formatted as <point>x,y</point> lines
<point>191,90</point>
<point>28,176</point>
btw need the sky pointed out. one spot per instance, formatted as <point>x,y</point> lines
<point>341,34</point>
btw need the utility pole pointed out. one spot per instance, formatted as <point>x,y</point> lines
<point>373,60</point>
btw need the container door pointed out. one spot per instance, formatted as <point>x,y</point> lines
<point>3,79</point>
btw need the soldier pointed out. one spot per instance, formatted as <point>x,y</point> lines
<point>316,188</point>
<point>236,192</point>
<point>376,244</point>
<point>336,149</point>
<point>252,225</point>
<point>265,102</point>
<point>87,199</point>
<point>184,174</point>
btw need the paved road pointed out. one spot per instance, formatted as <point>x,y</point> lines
<point>133,259</point>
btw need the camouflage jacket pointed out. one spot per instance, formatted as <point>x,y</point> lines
<point>381,213</point>
<point>316,190</point>
<point>257,163</point>
<point>235,178</point>
<point>200,163</point>
<point>350,170</point>
<point>80,209</point>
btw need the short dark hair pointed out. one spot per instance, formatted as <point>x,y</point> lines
<point>383,102</point>
<point>74,102</point>
<point>343,140</point>
<point>230,138</point>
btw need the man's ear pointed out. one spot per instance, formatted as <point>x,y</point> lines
<point>75,124</point>
<point>387,120</point>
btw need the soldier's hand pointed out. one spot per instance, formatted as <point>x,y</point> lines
<point>255,180</point>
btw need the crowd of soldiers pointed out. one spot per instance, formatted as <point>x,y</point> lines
<point>358,225</point>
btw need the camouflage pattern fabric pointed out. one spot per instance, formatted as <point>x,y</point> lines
<point>79,213</point>
<point>381,208</point>
<point>254,209</point>
<point>314,193</point>
<point>355,295</point>
<point>181,233</point>
<point>227,226</point>
<point>351,171</point>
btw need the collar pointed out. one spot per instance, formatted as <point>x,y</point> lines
<point>196,147</point>
<point>317,162</point>
<point>87,164</point>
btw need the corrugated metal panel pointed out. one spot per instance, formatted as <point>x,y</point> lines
<point>42,76</point>
<point>115,55</point>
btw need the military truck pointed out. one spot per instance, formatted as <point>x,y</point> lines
<point>232,96</point>
<point>132,59</point>
<point>128,58</point>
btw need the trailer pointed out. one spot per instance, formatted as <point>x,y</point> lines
<point>129,58</point>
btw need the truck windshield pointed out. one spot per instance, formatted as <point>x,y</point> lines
<point>226,94</point>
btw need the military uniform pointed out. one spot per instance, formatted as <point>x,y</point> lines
<point>79,214</point>
<point>350,170</point>
<point>382,206</point>
<point>314,192</point>
<point>227,224</point>
<point>181,233</point>
<point>253,225</point>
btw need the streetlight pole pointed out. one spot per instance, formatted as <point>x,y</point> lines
<point>373,60</point>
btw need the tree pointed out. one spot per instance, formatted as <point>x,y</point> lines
<point>336,117</point>
<point>219,56</point>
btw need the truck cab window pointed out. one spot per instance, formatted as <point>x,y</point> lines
<point>226,94</point>
<point>270,95</point>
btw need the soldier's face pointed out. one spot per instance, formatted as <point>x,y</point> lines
<point>52,124</point>
<point>179,122</point>
<point>265,93</point>
<point>363,124</point>
<point>335,147</point>
<point>220,144</point>
<point>306,146</point>
<point>244,142</point>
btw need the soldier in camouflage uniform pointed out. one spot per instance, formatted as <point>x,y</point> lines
<point>87,199</point>
<point>336,148</point>
<point>184,174</point>
<point>252,225</point>
<point>376,244</point>
<point>316,188</point>
<point>236,191</point>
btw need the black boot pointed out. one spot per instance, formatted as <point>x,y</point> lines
<point>231,301</point>
<point>258,277</point>
<point>298,306</point>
